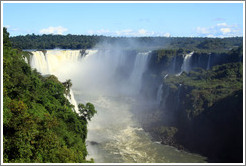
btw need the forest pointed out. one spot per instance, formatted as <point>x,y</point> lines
<point>39,123</point>
<point>85,42</point>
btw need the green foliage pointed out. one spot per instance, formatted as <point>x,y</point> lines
<point>201,88</point>
<point>54,41</point>
<point>6,41</point>
<point>38,125</point>
<point>67,84</point>
<point>84,42</point>
<point>87,111</point>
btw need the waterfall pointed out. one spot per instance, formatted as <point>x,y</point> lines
<point>208,65</point>
<point>186,63</point>
<point>39,62</point>
<point>58,63</point>
<point>138,70</point>
<point>160,92</point>
<point>178,96</point>
<point>54,60</point>
<point>25,59</point>
<point>173,70</point>
<point>73,101</point>
<point>165,97</point>
<point>107,71</point>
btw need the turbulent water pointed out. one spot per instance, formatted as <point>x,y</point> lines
<point>114,135</point>
<point>102,78</point>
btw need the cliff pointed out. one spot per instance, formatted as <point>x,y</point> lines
<point>202,110</point>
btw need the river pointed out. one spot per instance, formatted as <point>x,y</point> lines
<point>114,136</point>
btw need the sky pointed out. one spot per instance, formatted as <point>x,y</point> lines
<point>125,19</point>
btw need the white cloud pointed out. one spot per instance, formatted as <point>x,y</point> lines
<point>124,32</point>
<point>142,31</point>
<point>202,30</point>
<point>53,30</point>
<point>127,33</point>
<point>101,31</point>
<point>167,35</point>
<point>222,24</point>
<point>210,35</point>
<point>220,30</point>
<point>225,30</point>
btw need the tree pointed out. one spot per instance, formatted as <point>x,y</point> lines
<point>38,126</point>
<point>87,111</point>
<point>67,84</point>
<point>6,41</point>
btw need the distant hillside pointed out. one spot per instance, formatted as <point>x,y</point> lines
<point>84,41</point>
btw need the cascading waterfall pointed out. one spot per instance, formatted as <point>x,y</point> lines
<point>160,92</point>
<point>58,63</point>
<point>39,62</point>
<point>53,60</point>
<point>165,97</point>
<point>186,63</point>
<point>138,70</point>
<point>208,65</point>
<point>178,96</point>
<point>25,59</point>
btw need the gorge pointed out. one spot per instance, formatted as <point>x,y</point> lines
<point>98,77</point>
<point>127,90</point>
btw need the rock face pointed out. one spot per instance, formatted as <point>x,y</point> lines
<point>217,132</point>
<point>170,62</point>
<point>212,128</point>
<point>202,110</point>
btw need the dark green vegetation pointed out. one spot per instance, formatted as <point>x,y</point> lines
<point>201,88</point>
<point>208,111</point>
<point>82,42</point>
<point>202,110</point>
<point>39,123</point>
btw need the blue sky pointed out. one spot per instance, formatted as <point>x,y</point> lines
<point>125,19</point>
